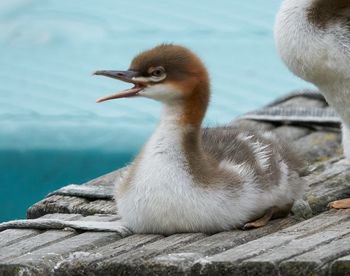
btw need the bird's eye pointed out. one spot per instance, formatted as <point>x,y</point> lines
<point>157,74</point>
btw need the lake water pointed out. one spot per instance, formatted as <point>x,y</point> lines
<point>51,131</point>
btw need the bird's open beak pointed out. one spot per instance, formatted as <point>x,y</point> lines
<point>126,76</point>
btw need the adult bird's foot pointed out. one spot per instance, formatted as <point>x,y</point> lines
<point>340,204</point>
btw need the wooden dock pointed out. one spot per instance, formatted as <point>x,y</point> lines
<point>75,230</point>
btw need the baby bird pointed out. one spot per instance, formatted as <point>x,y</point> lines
<point>190,180</point>
<point>313,39</point>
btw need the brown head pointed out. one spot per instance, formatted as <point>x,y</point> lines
<point>170,74</point>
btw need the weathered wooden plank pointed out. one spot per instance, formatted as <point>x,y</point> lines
<point>46,238</point>
<point>181,259</point>
<point>132,262</point>
<point>300,110</point>
<point>252,124</point>
<point>32,243</point>
<point>10,236</point>
<point>303,101</point>
<point>231,260</point>
<point>300,94</point>
<point>56,204</point>
<point>291,133</point>
<point>43,260</point>
<point>331,184</point>
<point>98,206</point>
<point>317,223</point>
<point>82,199</point>
<point>222,241</point>
<point>298,115</point>
<point>87,191</point>
<point>101,217</point>
<point>68,204</point>
<point>82,225</point>
<point>166,244</point>
<point>325,170</point>
<point>63,216</point>
<point>329,238</point>
<point>86,266</point>
<point>341,266</point>
<point>319,146</point>
<point>95,257</point>
<point>318,259</point>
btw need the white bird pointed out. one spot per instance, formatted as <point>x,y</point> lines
<point>313,39</point>
<point>187,179</point>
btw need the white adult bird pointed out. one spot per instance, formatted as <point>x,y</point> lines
<point>313,39</point>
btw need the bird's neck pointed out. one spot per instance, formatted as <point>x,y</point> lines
<point>178,138</point>
<point>177,120</point>
<point>176,143</point>
<point>183,115</point>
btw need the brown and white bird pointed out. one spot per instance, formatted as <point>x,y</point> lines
<point>187,179</point>
<point>313,39</point>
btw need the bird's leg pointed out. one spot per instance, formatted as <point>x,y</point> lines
<point>260,221</point>
<point>340,204</point>
<point>271,213</point>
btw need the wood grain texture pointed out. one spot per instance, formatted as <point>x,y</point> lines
<point>263,256</point>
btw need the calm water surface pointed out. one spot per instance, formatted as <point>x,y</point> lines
<point>51,131</point>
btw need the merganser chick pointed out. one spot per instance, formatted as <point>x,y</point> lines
<point>313,39</point>
<point>189,180</point>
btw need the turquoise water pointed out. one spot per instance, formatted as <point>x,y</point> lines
<point>51,131</point>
